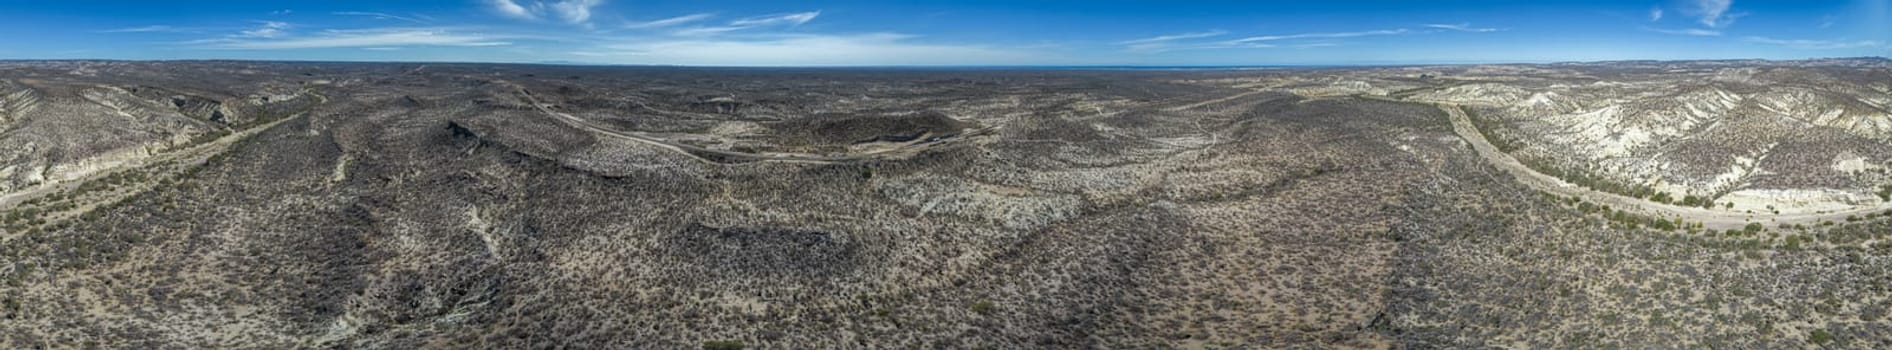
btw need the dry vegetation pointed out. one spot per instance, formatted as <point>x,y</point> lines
<point>499,206</point>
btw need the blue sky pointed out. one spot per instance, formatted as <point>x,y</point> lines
<point>966,32</point>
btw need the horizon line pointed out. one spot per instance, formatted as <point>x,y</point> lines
<point>970,66</point>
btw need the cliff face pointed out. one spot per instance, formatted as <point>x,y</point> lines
<point>71,120</point>
<point>63,130</point>
<point>1764,137</point>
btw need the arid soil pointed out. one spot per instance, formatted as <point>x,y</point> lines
<point>228,204</point>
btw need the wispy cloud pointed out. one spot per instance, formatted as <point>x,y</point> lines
<point>358,38</point>
<point>575,11</point>
<point>381,16</point>
<point>1463,27</point>
<point>809,50</point>
<point>269,29</point>
<point>705,31</point>
<point>144,29</point>
<point>1655,14</point>
<point>1688,31</point>
<point>1713,13</point>
<point>511,9</point>
<point>1817,44</point>
<point>1262,38</point>
<point>1173,37</point>
<point>1164,42</point>
<point>1182,41</point>
<point>777,20</point>
<point>667,22</point>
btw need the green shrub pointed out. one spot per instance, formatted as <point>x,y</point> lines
<point>1820,336</point>
<point>983,307</point>
<point>1660,224</point>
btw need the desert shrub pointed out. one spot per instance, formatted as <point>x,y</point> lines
<point>1664,225</point>
<point>983,307</point>
<point>1792,243</point>
<point>1819,336</point>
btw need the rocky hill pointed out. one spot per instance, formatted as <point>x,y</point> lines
<point>222,204</point>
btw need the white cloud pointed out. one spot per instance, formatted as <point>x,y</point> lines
<point>144,29</point>
<point>575,11</point>
<point>1689,31</point>
<point>789,19</point>
<point>1165,42</point>
<point>569,11</point>
<point>672,21</point>
<point>1818,44</point>
<point>1318,35</point>
<point>705,31</point>
<point>269,29</point>
<point>809,50</point>
<point>1463,27</point>
<point>1714,13</point>
<point>793,19</point>
<point>1173,37</point>
<point>360,38</point>
<point>511,9</point>
<point>380,16</point>
<point>1175,41</point>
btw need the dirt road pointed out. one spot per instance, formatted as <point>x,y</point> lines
<point>188,157</point>
<point>1713,219</point>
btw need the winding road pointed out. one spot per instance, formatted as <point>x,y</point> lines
<point>188,157</point>
<point>1712,219</point>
